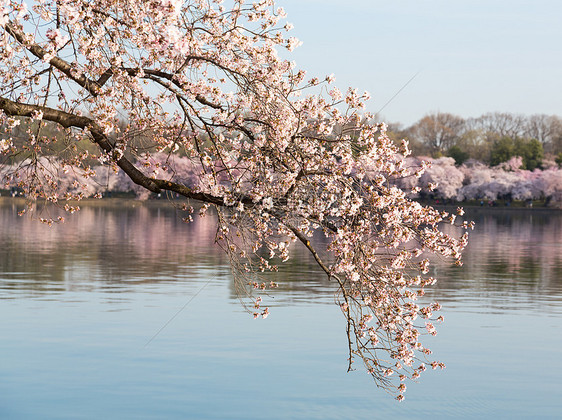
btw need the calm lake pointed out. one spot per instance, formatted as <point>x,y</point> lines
<point>81,305</point>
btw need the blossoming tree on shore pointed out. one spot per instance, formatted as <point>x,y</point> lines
<point>475,181</point>
<point>204,81</point>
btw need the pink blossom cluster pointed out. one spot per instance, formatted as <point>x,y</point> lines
<point>475,181</point>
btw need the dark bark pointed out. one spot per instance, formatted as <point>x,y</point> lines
<point>68,120</point>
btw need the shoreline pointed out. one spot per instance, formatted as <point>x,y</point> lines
<point>497,209</point>
<point>133,202</point>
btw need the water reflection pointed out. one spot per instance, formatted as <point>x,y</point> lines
<point>118,244</point>
<point>80,300</point>
<point>517,253</point>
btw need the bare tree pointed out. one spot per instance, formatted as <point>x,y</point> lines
<point>438,131</point>
<point>501,124</point>
<point>544,128</point>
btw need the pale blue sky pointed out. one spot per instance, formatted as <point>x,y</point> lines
<point>472,57</point>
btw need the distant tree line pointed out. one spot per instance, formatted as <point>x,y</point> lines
<point>492,138</point>
<point>443,180</point>
<point>497,156</point>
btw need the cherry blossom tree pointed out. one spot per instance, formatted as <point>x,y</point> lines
<point>477,181</point>
<point>201,82</point>
<point>443,178</point>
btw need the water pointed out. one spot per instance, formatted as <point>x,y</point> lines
<point>80,302</point>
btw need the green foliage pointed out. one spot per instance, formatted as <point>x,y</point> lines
<point>503,149</point>
<point>532,153</point>
<point>458,154</point>
<point>558,159</point>
<point>531,150</point>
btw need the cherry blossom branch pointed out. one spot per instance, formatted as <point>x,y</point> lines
<point>60,64</point>
<point>277,165</point>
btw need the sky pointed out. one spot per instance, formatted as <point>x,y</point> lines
<point>465,57</point>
